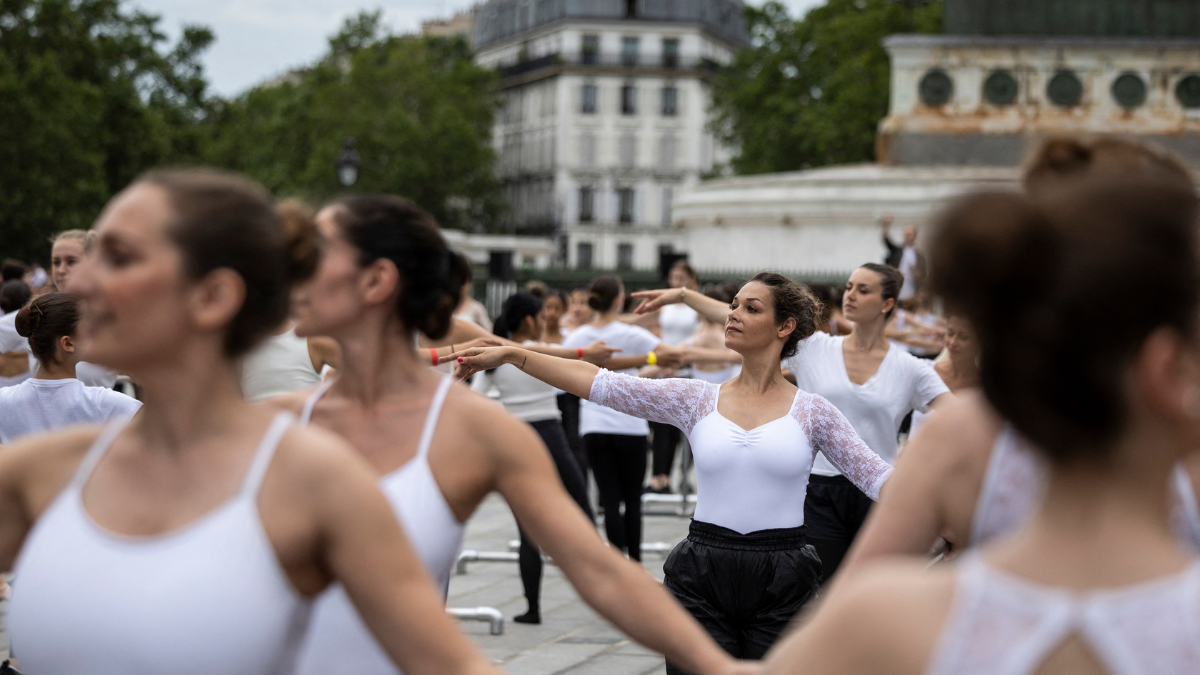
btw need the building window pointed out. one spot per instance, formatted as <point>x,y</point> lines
<point>583,256</point>
<point>668,197</point>
<point>587,151</point>
<point>631,9</point>
<point>629,51</point>
<point>667,151</point>
<point>625,205</point>
<point>670,53</point>
<point>629,99</point>
<point>624,256</point>
<point>587,204</point>
<point>588,99</point>
<point>590,55</point>
<point>670,101</point>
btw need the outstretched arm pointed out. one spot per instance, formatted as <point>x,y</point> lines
<point>681,403</point>
<point>711,309</point>
<point>831,434</point>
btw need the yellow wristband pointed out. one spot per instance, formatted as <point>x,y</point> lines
<point>652,359</point>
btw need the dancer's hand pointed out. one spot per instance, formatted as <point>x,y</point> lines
<point>598,353</point>
<point>489,341</point>
<point>656,300</point>
<point>471,361</point>
<point>669,358</point>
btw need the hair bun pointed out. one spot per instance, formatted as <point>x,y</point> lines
<point>24,321</point>
<point>301,237</point>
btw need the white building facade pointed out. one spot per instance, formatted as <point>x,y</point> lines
<point>603,116</point>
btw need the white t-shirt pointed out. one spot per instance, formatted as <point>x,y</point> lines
<point>37,405</point>
<point>632,341</point>
<point>10,341</point>
<point>876,408</point>
<point>523,396</point>
<point>678,323</point>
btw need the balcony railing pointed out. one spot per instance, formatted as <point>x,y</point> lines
<point>610,61</point>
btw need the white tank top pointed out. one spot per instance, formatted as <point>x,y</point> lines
<point>1016,479</point>
<point>338,641</point>
<point>280,364</point>
<point>1001,624</point>
<point>208,597</point>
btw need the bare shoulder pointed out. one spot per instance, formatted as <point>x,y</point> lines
<point>40,466</point>
<point>292,402</point>
<point>479,416</point>
<point>312,456</point>
<point>958,437</point>
<point>888,616</point>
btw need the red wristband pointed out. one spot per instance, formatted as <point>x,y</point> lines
<point>580,350</point>
<point>433,357</point>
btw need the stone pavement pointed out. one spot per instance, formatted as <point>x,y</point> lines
<point>571,638</point>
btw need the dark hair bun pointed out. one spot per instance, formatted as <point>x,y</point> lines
<point>46,319</point>
<point>395,229</point>
<point>1046,283</point>
<point>603,293</point>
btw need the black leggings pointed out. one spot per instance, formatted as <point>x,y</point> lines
<point>619,465</point>
<point>530,557</point>
<point>834,511</point>
<point>666,440</point>
<point>568,405</point>
<point>743,588</point>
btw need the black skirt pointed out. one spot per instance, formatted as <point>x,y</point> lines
<point>743,588</point>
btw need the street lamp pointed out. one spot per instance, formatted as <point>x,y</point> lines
<point>347,164</point>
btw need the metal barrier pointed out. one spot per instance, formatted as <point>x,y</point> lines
<point>489,614</point>
<point>677,505</point>
<point>656,547</point>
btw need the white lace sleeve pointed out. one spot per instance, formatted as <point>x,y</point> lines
<point>830,433</point>
<point>674,401</point>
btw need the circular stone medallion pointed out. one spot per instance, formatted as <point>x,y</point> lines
<point>1065,90</point>
<point>936,88</point>
<point>1000,88</point>
<point>1129,90</point>
<point>1188,91</point>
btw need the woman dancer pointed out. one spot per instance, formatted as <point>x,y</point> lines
<point>53,398</point>
<point>1095,581</point>
<point>745,568</point>
<point>69,249</point>
<point>195,533</point>
<point>873,384</point>
<point>968,477</point>
<point>554,310</point>
<point>385,274</point>
<point>677,323</point>
<point>615,442</point>
<point>522,320</point>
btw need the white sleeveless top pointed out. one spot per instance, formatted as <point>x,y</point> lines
<point>211,596</point>
<point>338,641</point>
<point>1001,624</point>
<point>747,480</point>
<point>281,363</point>
<point>1016,479</point>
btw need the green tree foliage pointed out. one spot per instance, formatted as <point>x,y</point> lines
<point>89,98</point>
<point>811,92</point>
<point>418,108</point>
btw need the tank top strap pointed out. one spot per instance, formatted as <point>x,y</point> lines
<point>307,411</point>
<point>435,411</point>
<point>96,452</point>
<point>265,453</point>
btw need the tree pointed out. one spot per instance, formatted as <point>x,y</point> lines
<point>419,109</point>
<point>88,100</point>
<point>811,92</point>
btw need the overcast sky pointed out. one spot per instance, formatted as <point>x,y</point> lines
<point>258,39</point>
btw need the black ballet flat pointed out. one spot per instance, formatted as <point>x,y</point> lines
<point>530,617</point>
